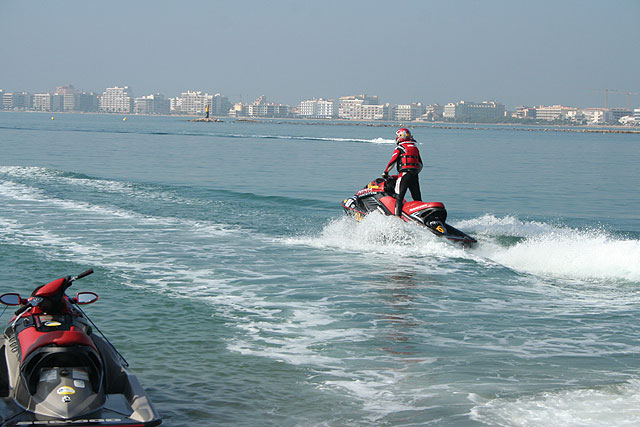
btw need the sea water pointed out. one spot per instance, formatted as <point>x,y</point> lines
<point>241,294</point>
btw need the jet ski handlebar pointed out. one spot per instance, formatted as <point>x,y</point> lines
<point>81,275</point>
<point>31,302</point>
<point>34,301</point>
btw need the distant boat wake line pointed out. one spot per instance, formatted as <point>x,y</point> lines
<point>311,138</point>
<point>534,247</point>
<point>212,134</point>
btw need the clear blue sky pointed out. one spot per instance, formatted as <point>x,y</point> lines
<point>516,52</point>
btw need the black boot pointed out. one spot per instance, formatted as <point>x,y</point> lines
<point>399,208</point>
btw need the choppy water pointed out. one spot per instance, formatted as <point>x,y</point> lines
<point>241,295</point>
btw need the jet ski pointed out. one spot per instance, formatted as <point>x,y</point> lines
<point>57,368</point>
<point>378,196</point>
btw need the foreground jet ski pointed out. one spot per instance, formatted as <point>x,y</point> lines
<point>55,370</point>
<point>378,196</point>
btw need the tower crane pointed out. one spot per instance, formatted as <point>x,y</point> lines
<point>606,95</point>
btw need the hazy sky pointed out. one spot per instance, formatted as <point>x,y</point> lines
<point>516,52</point>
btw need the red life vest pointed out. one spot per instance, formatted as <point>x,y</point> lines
<point>409,157</point>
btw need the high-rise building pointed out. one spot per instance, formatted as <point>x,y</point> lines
<point>465,111</point>
<point>116,100</point>
<point>16,100</point>
<point>191,102</point>
<point>57,102</point>
<point>42,102</point>
<point>220,105</point>
<point>86,102</point>
<point>318,108</point>
<point>68,95</point>
<point>152,104</point>
<point>174,105</point>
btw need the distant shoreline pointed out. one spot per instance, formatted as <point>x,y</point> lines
<point>607,129</point>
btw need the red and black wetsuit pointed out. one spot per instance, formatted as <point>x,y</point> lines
<point>406,158</point>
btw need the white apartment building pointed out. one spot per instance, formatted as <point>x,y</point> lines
<point>365,112</point>
<point>175,104</point>
<point>554,112</point>
<point>116,100</point>
<point>407,112</point>
<point>597,116</point>
<point>42,102</point>
<point>474,111</point>
<point>192,102</point>
<point>319,108</point>
<point>16,100</point>
<point>267,110</point>
<point>362,107</point>
<point>260,108</point>
<point>69,101</point>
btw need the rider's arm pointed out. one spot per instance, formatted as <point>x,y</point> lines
<point>394,158</point>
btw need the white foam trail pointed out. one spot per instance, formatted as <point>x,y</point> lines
<point>139,191</point>
<point>557,251</point>
<point>613,405</point>
<point>583,255</point>
<point>316,138</point>
<point>505,226</point>
<point>543,249</point>
<point>25,193</point>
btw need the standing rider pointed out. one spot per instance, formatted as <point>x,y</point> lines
<point>406,158</point>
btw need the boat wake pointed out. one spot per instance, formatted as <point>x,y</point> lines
<point>530,247</point>
<point>557,251</point>
<point>309,138</point>
<point>611,405</point>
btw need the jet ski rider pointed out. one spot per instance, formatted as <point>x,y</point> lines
<point>406,158</point>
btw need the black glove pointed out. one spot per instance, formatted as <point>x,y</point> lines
<point>385,175</point>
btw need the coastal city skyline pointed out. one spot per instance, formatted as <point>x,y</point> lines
<point>542,53</point>
<point>364,107</point>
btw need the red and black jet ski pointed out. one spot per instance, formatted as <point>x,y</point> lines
<point>55,369</point>
<point>378,195</point>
